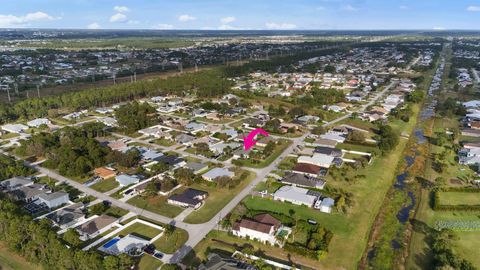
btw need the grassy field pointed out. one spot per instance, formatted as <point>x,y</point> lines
<point>148,262</point>
<point>157,205</point>
<point>171,243</point>
<point>459,198</point>
<point>264,163</point>
<point>140,230</point>
<point>105,185</point>
<point>11,261</point>
<point>217,199</point>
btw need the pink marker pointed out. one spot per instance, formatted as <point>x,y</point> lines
<point>249,142</point>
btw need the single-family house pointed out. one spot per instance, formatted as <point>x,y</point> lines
<point>189,198</point>
<point>68,216</point>
<point>38,122</point>
<point>196,167</point>
<point>217,172</point>
<point>262,227</point>
<point>14,128</point>
<point>295,195</point>
<point>15,183</point>
<point>104,172</point>
<point>317,159</point>
<point>126,180</point>
<point>302,180</point>
<point>96,226</point>
<point>53,200</point>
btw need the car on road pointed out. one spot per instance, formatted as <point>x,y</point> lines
<point>158,255</point>
<point>312,221</point>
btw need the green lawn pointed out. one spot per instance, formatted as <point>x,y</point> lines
<point>467,246</point>
<point>157,205</point>
<point>335,222</point>
<point>148,262</point>
<point>171,243</point>
<point>116,211</point>
<point>140,230</point>
<point>459,198</point>
<point>164,142</point>
<point>267,161</point>
<point>217,199</point>
<point>358,147</point>
<point>105,185</point>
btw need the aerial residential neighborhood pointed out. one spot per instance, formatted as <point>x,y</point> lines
<point>150,139</point>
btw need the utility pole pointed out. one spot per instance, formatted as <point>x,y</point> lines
<point>114,78</point>
<point>38,90</point>
<point>196,67</point>
<point>135,76</point>
<point>16,88</point>
<point>28,96</point>
<point>180,67</point>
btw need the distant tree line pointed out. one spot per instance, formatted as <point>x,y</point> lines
<point>208,83</point>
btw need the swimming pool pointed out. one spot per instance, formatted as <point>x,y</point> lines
<point>111,242</point>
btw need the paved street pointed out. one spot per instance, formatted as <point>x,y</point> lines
<point>196,231</point>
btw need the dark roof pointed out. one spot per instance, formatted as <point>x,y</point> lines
<point>170,159</point>
<point>302,180</point>
<point>67,214</point>
<point>97,224</point>
<point>307,168</point>
<point>190,196</point>
<point>216,262</point>
<point>260,223</point>
<point>328,151</point>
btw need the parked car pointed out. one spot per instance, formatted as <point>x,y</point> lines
<point>158,255</point>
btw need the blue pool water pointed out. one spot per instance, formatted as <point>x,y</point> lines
<point>111,242</point>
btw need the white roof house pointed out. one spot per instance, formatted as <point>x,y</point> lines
<point>53,200</point>
<point>125,180</point>
<point>317,159</point>
<point>126,245</point>
<point>472,104</point>
<point>108,121</point>
<point>14,128</point>
<point>295,195</point>
<point>38,122</point>
<point>333,136</point>
<point>217,172</point>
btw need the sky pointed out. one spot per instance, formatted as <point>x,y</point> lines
<point>242,14</point>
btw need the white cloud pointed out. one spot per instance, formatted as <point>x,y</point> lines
<point>185,18</point>
<point>228,19</point>
<point>473,8</point>
<point>349,8</point>
<point>439,28</point>
<point>94,26</point>
<point>163,26</point>
<point>320,8</point>
<point>13,21</point>
<point>133,22</point>
<point>119,17</point>
<point>403,7</point>
<point>121,9</point>
<point>229,27</point>
<point>280,26</point>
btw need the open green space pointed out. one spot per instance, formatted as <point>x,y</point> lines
<point>459,198</point>
<point>148,262</point>
<point>140,229</point>
<point>217,199</point>
<point>169,243</point>
<point>283,144</point>
<point>105,185</point>
<point>157,204</point>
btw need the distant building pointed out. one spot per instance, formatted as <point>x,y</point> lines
<point>38,122</point>
<point>217,172</point>
<point>295,195</point>
<point>189,198</point>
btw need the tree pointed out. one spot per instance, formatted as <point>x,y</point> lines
<point>134,116</point>
<point>152,188</point>
<point>269,148</point>
<point>318,130</point>
<point>98,209</point>
<point>296,111</point>
<point>72,237</point>
<point>169,229</point>
<point>356,136</point>
<point>111,263</point>
<point>388,138</point>
<point>184,176</point>
<point>329,69</point>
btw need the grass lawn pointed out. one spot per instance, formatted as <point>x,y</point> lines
<point>171,243</point>
<point>358,147</point>
<point>164,142</point>
<point>334,221</point>
<point>148,262</point>
<point>7,136</point>
<point>467,245</point>
<point>105,185</point>
<point>140,230</point>
<point>157,205</point>
<point>459,198</point>
<point>116,211</point>
<point>12,261</point>
<point>264,163</point>
<point>217,199</point>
